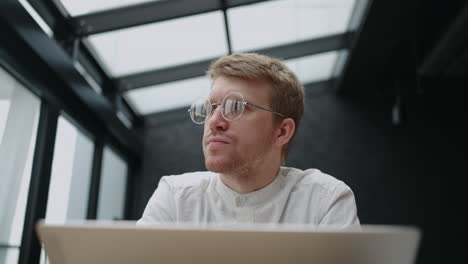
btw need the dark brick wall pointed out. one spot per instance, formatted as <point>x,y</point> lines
<point>406,175</point>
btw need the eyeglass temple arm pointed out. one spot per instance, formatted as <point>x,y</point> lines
<point>271,111</point>
<point>197,114</point>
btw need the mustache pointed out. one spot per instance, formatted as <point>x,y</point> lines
<point>212,133</point>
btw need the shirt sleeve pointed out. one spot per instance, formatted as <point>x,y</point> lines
<point>160,207</point>
<point>341,210</point>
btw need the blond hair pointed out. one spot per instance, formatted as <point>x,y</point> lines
<point>287,95</point>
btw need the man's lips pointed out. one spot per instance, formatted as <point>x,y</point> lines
<point>216,142</point>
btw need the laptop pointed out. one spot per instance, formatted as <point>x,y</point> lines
<point>124,242</point>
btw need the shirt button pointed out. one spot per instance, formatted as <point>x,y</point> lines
<point>240,201</point>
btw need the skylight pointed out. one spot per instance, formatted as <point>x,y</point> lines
<point>81,7</point>
<point>314,68</point>
<point>273,23</point>
<point>168,96</point>
<point>160,45</point>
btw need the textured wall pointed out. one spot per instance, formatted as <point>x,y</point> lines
<point>400,175</point>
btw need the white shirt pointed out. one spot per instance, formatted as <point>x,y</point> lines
<point>295,196</point>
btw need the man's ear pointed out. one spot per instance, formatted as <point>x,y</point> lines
<point>284,132</point>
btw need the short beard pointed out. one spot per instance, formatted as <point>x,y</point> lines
<point>240,166</point>
<point>237,166</point>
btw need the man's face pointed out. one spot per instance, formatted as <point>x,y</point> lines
<point>239,145</point>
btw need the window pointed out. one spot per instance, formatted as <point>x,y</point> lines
<point>71,174</point>
<point>19,116</point>
<point>112,188</point>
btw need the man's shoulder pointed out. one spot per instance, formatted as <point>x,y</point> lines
<point>311,178</point>
<point>190,179</point>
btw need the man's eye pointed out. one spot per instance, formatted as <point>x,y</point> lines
<point>247,107</point>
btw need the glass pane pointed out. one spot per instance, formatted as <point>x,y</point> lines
<point>160,45</point>
<point>168,96</point>
<point>9,255</point>
<point>112,188</point>
<point>71,174</point>
<point>315,67</point>
<point>273,23</point>
<point>80,7</point>
<point>19,116</point>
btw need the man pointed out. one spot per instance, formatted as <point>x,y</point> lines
<point>250,117</point>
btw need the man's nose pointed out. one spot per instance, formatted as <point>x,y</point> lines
<point>216,120</point>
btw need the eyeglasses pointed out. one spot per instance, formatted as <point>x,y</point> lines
<point>232,107</point>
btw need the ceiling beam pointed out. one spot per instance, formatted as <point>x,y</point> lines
<point>358,14</point>
<point>448,48</point>
<point>318,88</point>
<point>287,51</point>
<point>384,26</point>
<point>146,13</point>
<point>55,16</point>
<point>56,77</point>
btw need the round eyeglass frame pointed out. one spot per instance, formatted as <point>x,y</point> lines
<point>211,108</point>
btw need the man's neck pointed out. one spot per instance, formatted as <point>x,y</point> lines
<point>251,179</point>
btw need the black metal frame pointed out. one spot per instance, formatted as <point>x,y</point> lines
<point>131,183</point>
<point>146,13</point>
<point>360,11</point>
<point>451,45</point>
<point>53,77</point>
<point>287,51</point>
<point>30,249</point>
<point>318,88</point>
<point>62,82</point>
<point>224,8</point>
<point>133,190</point>
<point>72,43</point>
<point>95,180</point>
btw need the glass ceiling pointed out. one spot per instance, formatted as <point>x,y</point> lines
<point>168,96</point>
<point>81,7</point>
<point>161,45</point>
<point>313,68</point>
<point>196,38</point>
<point>273,23</point>
<point>179,94</point>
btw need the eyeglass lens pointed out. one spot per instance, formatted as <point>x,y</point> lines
<point>200,110</point>
<point>232,107</point>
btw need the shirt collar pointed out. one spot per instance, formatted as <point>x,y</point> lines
<point>252,198</point>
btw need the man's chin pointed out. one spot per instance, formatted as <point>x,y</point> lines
<point>219,165</point>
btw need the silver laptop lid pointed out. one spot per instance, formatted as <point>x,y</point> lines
<point>123,242</point>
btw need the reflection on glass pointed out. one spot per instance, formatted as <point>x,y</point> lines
<point>19,115</point>
<point>272,23</point>
<point>168,96</point>
<point>112,188</point>
<point>162,44</point>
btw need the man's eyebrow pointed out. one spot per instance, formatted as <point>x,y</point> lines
<point>213,101</point>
